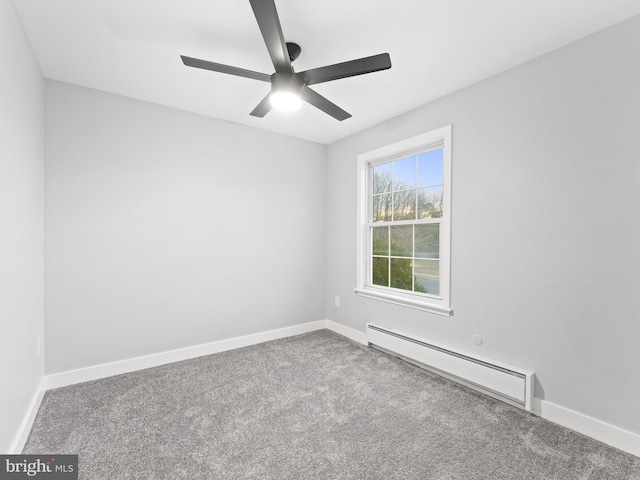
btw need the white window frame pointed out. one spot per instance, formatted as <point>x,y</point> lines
<point>440,304</point>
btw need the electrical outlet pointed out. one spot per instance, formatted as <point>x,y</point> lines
<point>337,301</point>
<point>38,342</point>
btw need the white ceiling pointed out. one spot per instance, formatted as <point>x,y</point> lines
<point>133,48</point>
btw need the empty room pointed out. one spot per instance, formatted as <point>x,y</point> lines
<point>278,239</point>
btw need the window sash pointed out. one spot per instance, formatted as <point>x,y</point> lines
<point>371,224</point>
<point>437,145</point>
<point>413,258</point>
<point>416,187</point>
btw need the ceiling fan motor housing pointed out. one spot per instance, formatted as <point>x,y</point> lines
<point>286,82</point>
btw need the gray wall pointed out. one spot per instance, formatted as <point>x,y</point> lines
<point>164,229</point>
<point>21,217</point>
<point>545,223</point>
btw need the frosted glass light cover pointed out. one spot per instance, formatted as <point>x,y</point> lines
<point>285,101</point>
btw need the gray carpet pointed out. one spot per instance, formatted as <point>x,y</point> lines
<point>314,406</point>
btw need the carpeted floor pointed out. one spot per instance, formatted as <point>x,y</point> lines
<point>314,406</point>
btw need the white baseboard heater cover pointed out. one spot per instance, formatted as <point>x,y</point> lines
<point>506,383</point>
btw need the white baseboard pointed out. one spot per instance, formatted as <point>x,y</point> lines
<point>27,422</point>
<point>96,372</point>
<point>355,335</point>
<point>604,432</point>
<point>104,370</point>
<point>591,427</point>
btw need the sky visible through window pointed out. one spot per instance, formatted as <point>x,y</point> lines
<point>429,170</point>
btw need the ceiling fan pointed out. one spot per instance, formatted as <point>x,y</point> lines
<point>289,88</point>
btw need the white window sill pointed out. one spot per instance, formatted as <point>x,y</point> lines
<point>405,301</point>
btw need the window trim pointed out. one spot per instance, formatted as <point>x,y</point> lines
<point>442,305</point>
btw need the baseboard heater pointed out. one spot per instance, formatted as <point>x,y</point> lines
<point>509,384</point>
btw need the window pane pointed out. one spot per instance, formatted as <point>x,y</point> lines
<point>380,241</point>
<point>404,205</point>
<point>430,202</point>
<point>402,241</point>
<point>427,241</point>
<point>382,178</point>
<point>401,273</point>
<point>427,276</point>
<point>430,168</point>
<point>404,173</point>
<point>382,207</point>
<point>380,274</point>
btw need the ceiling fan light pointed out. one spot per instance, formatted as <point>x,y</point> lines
<point>285,101</point>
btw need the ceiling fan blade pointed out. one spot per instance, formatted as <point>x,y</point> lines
<point>351,68</point>
<point>263,107</point>
<point>269,23</point>
<point>323,104</point>
<point>219,67</point>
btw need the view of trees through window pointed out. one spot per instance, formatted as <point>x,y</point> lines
<point>405,225</point>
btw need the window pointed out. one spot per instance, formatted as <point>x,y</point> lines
<point>404,215</point>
